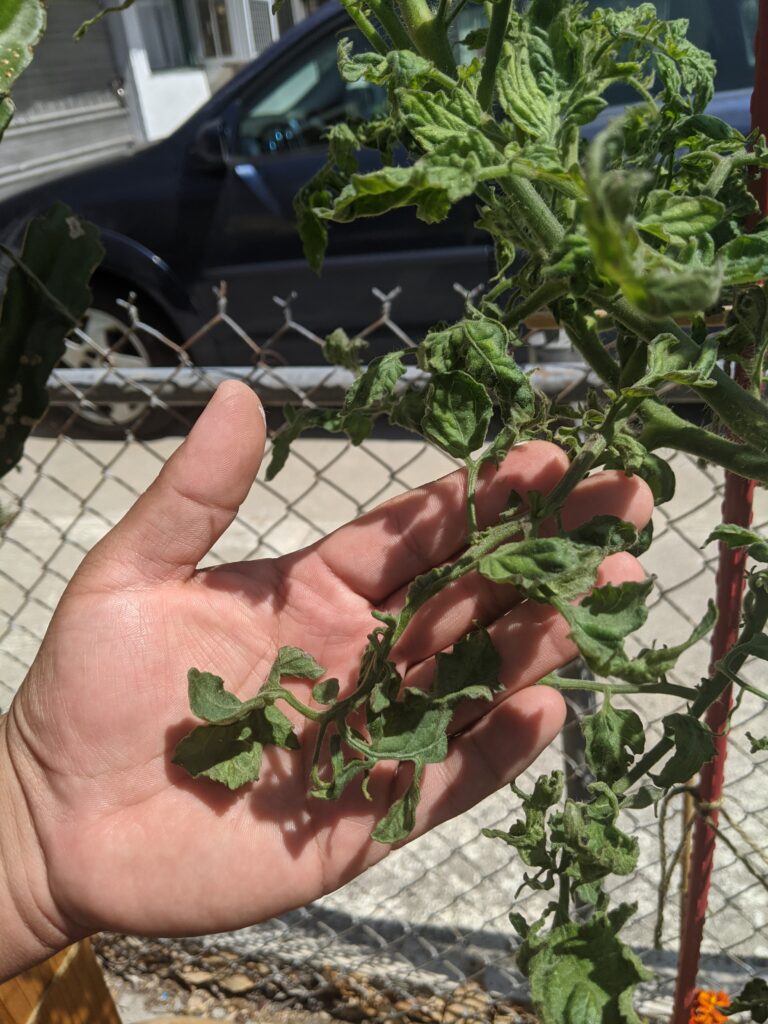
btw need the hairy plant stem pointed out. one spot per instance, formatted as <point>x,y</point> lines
<point>427,34</point>
<point>609,689</point>
<point>586,341</point>
<point>538,300</point>
<point>755,621</point>
<point>663,428</point>
<point>744,414</point>
<point>496,34</point>
<point>546,228</point>
<point>473,469</point>
<point>366,26</point>
<point>390,22</point>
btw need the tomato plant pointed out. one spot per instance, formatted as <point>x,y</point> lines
<point>640,230</point>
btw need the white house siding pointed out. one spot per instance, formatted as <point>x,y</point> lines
<point>67,112</point>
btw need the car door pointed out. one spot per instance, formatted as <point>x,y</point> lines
<point>275,142</point>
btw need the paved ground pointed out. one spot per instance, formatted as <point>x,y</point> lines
<point>439,906</point>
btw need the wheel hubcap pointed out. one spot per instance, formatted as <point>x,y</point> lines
<point>107,342</point>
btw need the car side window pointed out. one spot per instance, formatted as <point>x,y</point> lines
<point>309,97</point>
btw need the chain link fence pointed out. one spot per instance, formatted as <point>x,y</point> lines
<point>424,936</point>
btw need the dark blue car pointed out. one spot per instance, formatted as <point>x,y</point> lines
<point>214,202</point>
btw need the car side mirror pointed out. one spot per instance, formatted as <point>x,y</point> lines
<point>209,148</point>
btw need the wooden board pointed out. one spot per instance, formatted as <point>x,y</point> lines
<point>67,989</point>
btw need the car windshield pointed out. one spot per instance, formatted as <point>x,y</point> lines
<point>725,28</point>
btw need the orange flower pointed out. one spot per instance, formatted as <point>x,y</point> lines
<point>706,1009</point>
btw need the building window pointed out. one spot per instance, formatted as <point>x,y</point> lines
<point>262,22</point>
<point>162,34</point>
<point>214,28</point>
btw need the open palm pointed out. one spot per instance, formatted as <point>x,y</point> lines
<point>122,838</point>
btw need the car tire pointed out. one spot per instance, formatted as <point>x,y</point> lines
<point>106,338</point>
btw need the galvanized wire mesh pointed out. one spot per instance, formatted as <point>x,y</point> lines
<point>433,916</point>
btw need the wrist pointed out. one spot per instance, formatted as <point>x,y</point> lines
<point>32,928</point>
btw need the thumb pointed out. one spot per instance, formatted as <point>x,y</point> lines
<point>197,494</point>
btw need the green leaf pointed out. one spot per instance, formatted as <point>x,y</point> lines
<point>694,747</point>
<point>458,412</point>
<point>231,754</point>
<point>659,284</point>
<point>613,736</point>
<point>433,187</point>
<point>481,348</point>
<point>600,624</point>
<point>297,664</point>
<point>296,422</point>
<point>604,619</point>
<point>740,537</point>
<point>341,350</point>
<point>366,396</point>
<point>581,973</point>
<point>326,691</point>
<point>438,119</point>
<point>676,218</point>
<point>343,146</point>
<point>758,745</point>
<point>46,296</point>
<point>659,476</point>
<point>654,663</point>
<point>532,110</point>
<point>668,364</point>
<point>529,837</point>
<point>745,259</point>
<point>210,701</point>
<point>594,845</point>
<point>752,999</point>
<point>541,567</point>
<point>228,754</point>
<point>400,820</point>
<point>470,671</point>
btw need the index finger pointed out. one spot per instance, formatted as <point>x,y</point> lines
<point>383,550</point>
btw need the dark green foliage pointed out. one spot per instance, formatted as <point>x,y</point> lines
<point>46,296</point>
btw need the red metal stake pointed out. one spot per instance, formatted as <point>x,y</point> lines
<point>737,508</point>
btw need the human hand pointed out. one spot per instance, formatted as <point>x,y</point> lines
<point>99,830</point>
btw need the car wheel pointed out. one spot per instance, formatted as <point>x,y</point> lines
<point>107,340</point>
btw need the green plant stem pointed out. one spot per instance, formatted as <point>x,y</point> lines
<point>473,469</point>
<point>297,705</point>
<point>562,915</point>
<point>711,689</point>
<point>442,11</point>
<point>496,34</point>
<point>744,414</point>
<point>455,11</point>
<point>536,301</point>
<point>547,230</point>
<point>665,429</point>
<point>663,689</point>
<point>390,22</point>
<point>588,344</point>
<point>427,34</point>
<point>366,26</point>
